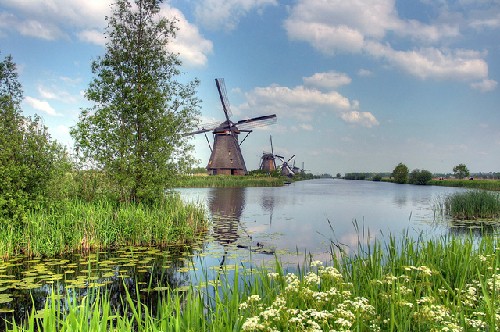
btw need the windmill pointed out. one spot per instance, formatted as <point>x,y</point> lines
<point>226,157</point>
<point>286,170</point>
<point>268,160</point>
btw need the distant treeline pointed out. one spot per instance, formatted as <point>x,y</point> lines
<point>366,176</point>
<point>378,176</point>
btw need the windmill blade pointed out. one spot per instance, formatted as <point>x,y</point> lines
<point>290,159</point>
<point>221,87</point>
<point>271,139</point>
<point>199,131</point>
<point>259,121</point>
<point>280,157</point>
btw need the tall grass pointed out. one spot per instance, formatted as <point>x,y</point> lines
<point>77,225</point>
<point>447,284</point>
<point>226,181</point>
<point>474,184</point>
<point>473,205</point>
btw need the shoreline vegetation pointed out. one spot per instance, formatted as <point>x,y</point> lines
<point>218,181</point>
<point>78,225</point>
<point>447,284</point>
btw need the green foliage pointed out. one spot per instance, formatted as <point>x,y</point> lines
<point>134,131</point>
<point>400,173</point>
<point>473,205</point>
<point>215,181</point>
<point>420,177</point>
<point>30,161</point>
<point>412,285</point>
<point>460,171</point>
<point>78,225</point>
<point>476,184</point>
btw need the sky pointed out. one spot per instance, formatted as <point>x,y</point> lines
<point>357,86</point>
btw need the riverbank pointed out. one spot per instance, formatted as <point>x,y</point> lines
<point>448,284</point>
<point>75,226</point>
<point>218,181</point>
<point>473,184</point>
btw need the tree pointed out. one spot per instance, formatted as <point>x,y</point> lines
<point>134,131</point>
<point>30,160</point>
<point>420,177</point>
<point>461,171</point>
<point>400,173</point>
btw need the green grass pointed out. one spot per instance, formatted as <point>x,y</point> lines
<point>473,205</point>
<point>227,181</point>
<point>77,225</point>
<point>447,284</point>
<point>473,184</point>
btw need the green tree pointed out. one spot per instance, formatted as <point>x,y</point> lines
<point>30,160</point>
<point>461,171</point>
<point>400,173</point>
<point>134,131</point>
<point>420,177</point>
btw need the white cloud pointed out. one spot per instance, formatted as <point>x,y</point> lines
<point>485,85</point>
<point>92,36</point>
<point>329,80</point>
<point>364,73</point>
<point>365,119</point>
<point>41,105</point>
<point>368,26</point>
<point>192,47</point>
<point>57,93</point>
<point>226,14</point>
<point>301,103</point>
<point>433,63</point>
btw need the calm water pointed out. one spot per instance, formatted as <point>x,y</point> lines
<point>308,216</point>
<point>249,225</point>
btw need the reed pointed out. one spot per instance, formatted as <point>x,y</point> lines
<point>473,205</point>
<point>493,185</point>
<point>78,225</point>
<point>446,284</point>
<point>227,181</point>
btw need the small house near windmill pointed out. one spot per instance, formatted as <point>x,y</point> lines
<point>226,157</point>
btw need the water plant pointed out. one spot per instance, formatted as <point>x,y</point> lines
<point>473,205</point>
<point>446,284</point>
<point>227,181</point>
<point>78,225</point>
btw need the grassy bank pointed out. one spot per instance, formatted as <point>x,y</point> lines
<point>227,181</point>
<point>473,184</point>
<point>76,225</point>
<point>449,284</point>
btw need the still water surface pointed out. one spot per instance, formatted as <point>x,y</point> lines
<point>248,226</point>
<point>307,216</point>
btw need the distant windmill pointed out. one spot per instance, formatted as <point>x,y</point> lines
<point>226,157</point>
<point>268,160</point>
<point>286,170</point>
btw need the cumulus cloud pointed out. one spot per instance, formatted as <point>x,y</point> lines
<point>329,80</point>
<point>41,105</point>
<point>92,36</point>
<point>226,14</point>
<point>368,26</point>
<point>433,63</point>
<point>485,85</point>
<point>302,103</point>
<point>189,43</point>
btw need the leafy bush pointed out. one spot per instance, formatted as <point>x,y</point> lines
<point>420,177</point>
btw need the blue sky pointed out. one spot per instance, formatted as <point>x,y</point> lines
<point>357,86</point>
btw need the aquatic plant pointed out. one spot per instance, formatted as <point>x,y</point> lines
<point>473,205</point>
<point>78,225</point>
<point>447,284</point>
<point>227,181</point>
